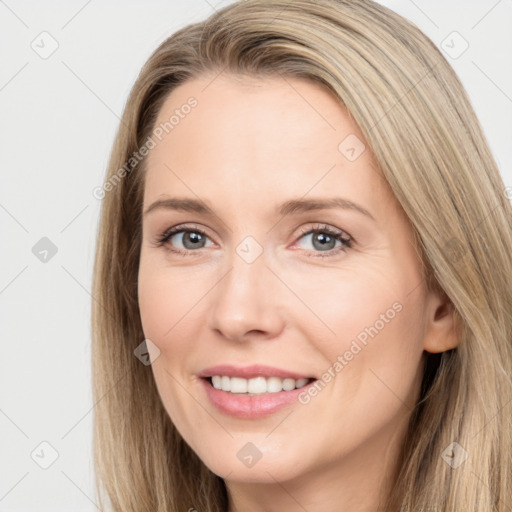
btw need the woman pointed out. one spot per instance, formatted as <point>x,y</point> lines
<point>240,361</point>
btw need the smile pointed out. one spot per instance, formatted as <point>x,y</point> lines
<point>257,385</point>
<point>245,405</point>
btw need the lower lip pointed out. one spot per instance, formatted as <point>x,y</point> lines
<point>257,406</point>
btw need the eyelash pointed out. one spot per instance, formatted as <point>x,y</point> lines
<point>347,242</point>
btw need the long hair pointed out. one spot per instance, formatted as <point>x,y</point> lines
<point>420,126</point>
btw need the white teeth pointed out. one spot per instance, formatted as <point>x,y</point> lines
<point>225,382</point>
<point>301,383</point>
<point>288,384</point>
<point>274,385</point>
<point>238,385</point>
<point>256,385</point>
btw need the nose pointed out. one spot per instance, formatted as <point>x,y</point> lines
<point>247,302</point>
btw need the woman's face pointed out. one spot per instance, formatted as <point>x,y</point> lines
<point>252,285</point>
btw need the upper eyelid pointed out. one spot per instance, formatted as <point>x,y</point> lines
<point>324,227</point>
<point>316,227</point>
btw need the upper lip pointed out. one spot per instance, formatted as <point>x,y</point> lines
<point>248,372</point>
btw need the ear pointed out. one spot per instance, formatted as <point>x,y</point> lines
<point>441,332</point>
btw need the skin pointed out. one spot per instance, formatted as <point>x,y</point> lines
<point>249,145</point>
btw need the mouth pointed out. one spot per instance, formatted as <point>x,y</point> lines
<point>256,386</point>
<point>254,391</point>
<point>254,397</point>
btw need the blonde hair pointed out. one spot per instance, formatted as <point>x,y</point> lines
<point>427,140</point>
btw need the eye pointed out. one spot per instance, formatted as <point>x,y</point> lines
<point>192,238</point>
<point>324,239</point>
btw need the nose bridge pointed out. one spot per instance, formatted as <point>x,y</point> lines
<point>247,298</point>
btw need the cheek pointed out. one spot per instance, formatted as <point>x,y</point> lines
<point>362,302</point>
<point>166,302</point>
<point>373,361</point>
<point>166,298</point>
<point>154,300</point>
<point>372,328</point>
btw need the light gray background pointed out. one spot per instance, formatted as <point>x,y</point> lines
<point>59,116</point>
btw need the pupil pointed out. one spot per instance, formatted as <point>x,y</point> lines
<point>323,239</point>
<point>192,237</point>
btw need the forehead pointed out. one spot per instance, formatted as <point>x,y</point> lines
<point>278,113</point>
<point>273,136</point>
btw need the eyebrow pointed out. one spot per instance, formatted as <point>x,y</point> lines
<point>289,207</point>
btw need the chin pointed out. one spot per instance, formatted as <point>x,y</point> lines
<point>246,465</point>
